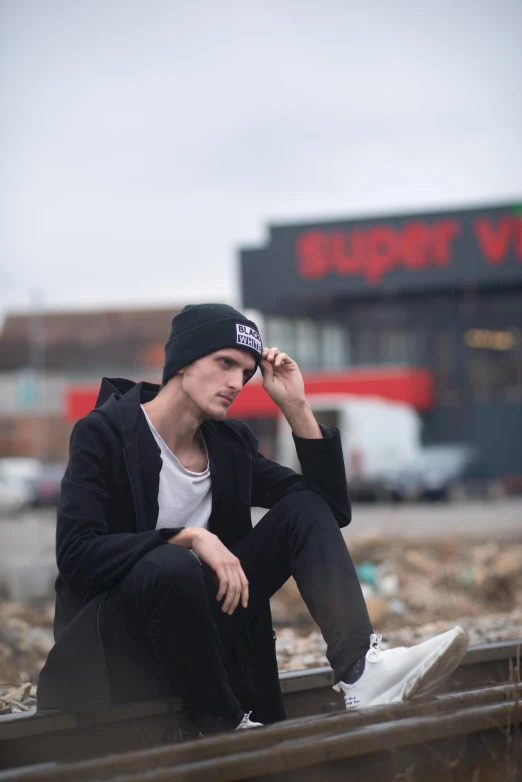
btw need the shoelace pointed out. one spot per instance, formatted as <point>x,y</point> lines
<point>245,720</point>
<point>374,653</point>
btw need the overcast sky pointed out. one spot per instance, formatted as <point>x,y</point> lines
<point>143,142</point>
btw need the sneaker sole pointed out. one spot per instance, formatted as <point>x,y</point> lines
<point>436,668</point>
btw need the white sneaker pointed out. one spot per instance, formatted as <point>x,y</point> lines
<point>246,723</point>
<point>399,674</point>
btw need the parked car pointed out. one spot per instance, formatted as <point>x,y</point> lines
<point>16,475</point>
<point>444,472</point>
<point>45,488</point>
<point>14,496</point>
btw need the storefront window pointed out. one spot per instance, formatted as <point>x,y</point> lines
<point>314,345</point>
<point>280,332</point>
<point>494,364</point>
<point>398,347</point>
<point>335,347</point>
<point>307,344</point>
<point>367,348</point>
<point>445,369</point>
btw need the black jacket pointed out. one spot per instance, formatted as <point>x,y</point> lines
<point>107,514</point>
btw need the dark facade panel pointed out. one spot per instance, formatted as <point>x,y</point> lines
<point>442,291</point>
<point>326,261</point>
<point>495,428</point>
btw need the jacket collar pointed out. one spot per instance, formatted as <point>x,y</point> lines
<point>129,410</point>
<point>141,453</point>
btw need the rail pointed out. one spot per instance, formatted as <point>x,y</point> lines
<point>315,712</point>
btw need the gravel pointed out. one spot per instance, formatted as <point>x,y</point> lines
<point>296,652</point>
<point>413,591</point>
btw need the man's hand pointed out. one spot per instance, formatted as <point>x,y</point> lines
<point>283,382</point>
<point>229,575</point>
<point>282,378</point>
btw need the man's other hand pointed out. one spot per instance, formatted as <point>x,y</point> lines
<point>230,578</point>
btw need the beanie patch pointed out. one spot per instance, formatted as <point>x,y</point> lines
<point>248,337</point>
<point>200,329</point>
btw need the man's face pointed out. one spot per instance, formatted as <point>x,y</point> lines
<point>213,382</point>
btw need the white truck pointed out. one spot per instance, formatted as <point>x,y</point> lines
<point>378,435</point>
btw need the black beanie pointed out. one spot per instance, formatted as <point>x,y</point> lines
<point>200,329</point>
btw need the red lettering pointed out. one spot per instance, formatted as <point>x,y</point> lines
<point>415,242</point>
<point>381,253</point>
<point>494,240</point>
<point>443,234</point>
<point>311,249</point>
<point>518,249</point>
<point>376,251</point>
<point>344,261</point>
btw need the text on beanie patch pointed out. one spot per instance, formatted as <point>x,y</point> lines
<point>248,337</point>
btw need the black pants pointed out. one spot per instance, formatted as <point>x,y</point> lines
<point>165,609</point>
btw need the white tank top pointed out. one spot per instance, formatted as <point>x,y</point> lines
<point>184,497</point>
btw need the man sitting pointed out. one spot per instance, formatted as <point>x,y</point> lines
<point>164,585</point>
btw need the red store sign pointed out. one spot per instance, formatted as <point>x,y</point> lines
<point>372,252</point>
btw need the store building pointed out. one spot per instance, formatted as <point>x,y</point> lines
<point>435,298</point>
<point>51,365</point>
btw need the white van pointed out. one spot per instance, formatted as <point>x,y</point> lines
<point>16,476</point>
<point>378,435</point>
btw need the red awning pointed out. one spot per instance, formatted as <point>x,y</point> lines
<point>414,386</point>
<point>401,384</point>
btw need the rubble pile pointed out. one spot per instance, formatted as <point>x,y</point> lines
<point>296,652</point>
<point>412,591</point>
<point>16,699</point>
<point>25,640</point>
<point>407,584</point>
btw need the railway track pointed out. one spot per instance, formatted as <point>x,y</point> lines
<point>453,736</point>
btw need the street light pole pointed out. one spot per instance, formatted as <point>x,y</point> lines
<point>36,362</point>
